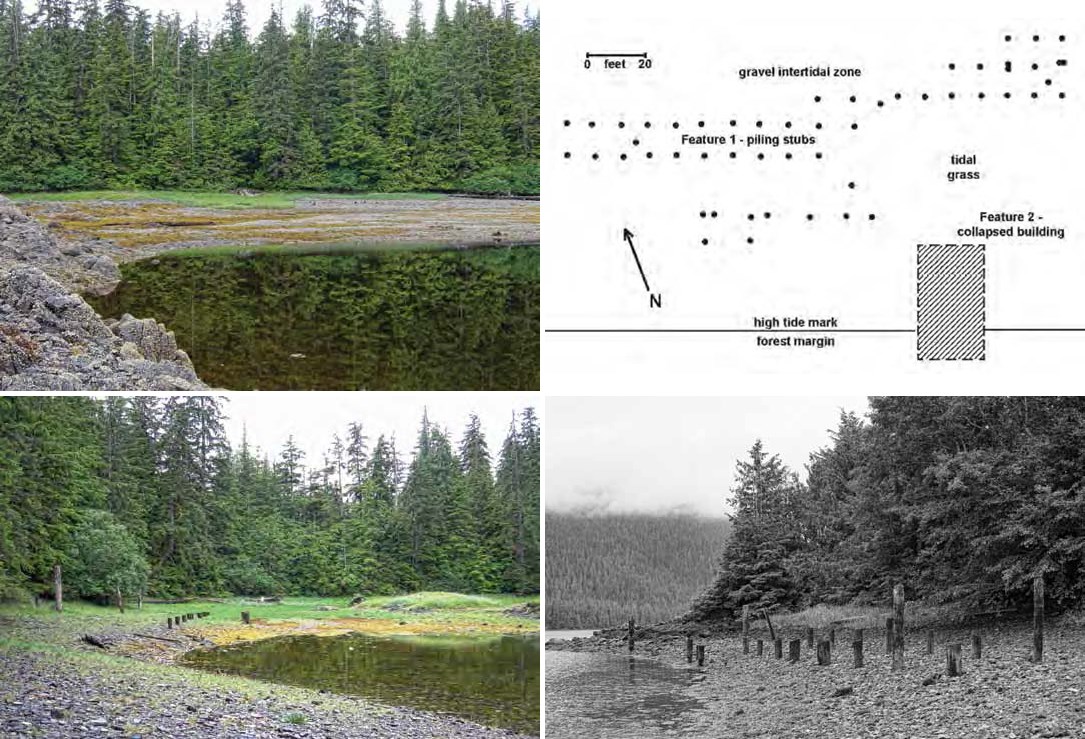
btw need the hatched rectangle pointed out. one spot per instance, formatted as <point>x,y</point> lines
<point>951,301</point>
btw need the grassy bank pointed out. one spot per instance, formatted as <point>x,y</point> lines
<point>216,199</point>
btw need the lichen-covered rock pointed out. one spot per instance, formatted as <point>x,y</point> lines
<point>50,339</point>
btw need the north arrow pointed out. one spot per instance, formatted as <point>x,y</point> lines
<point>628,236</point>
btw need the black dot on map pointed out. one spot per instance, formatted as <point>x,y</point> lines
<point>621,124</point>
<point>855,127</point>
<point>871,216</point>
<point>897,96</point>
<point>851,185</point>
<point>749,240</point>
<point>733,155</point>
<point>760,156</point>
<point>1008,66</point>
<point>568,154</point>
<point>750,217</point>
<point>1062,38</point>
<point>847,216</point>
<point>1006,95</point>
<point>700,124</point>
<point>704,155</point>
<point>704,241</point>
<point>1060,63</point>
<point>649,155</point>
<point>636,142</point>
<point>768,215</point>
<point>926,96</point>
<point>674,125</point>
<point>787,155</point>
<point>733,123</point>
<point>647,124</point>
<point>851,99</point>
<point>1062,96</point>
<point>817,98</point>
<point>980,66</point>
<point>591,124</point>
<point>623,157</point>
<point>676,155</point>
<point>982,96</point>
<point>787,125</point>
<point>817,126</point>
<point>952,65</point>
<point>595,156</point>
<point>1035,66</point>
<point>809,216</point>
<point>1035,95</point>
<point>714,214</point>
<point>1047,82</point>
<point>1009,38</point>
<point>568,123</point>
<point>952,95</point>
<point>704,214</point>
<point>881,103</point>
<point>1035,38</point>
<point>759,124</point>
<point>818,155</point>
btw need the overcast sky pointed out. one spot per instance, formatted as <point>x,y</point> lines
<point>313,417</point>
<point>258,11</point>
<point>665,454</point>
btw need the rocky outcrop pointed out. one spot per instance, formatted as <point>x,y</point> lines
<point>23,241</point>
<point>50,339</point>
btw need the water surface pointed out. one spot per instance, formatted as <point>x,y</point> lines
<point>391,319</point>
<point>605,696</point>
<point>490,680</point>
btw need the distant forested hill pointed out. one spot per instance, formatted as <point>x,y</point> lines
<point>601,570</point>
<point>112,96</point>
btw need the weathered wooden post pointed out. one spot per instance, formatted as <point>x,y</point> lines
<point>977,646</point>
<point>169,622</point>
<point>760,647</point>
<point>1038,619</point>
<point>120,600</point>
<point>632,625</point>
<point>245,618</point>
<point>139,600</point>
<point>689,649</point>
<point>898,627</point>
<point>832,637</point>
<point>810,637</point>
<point>889,636</point>
<point>746,629</point>
<point>778,648</point>
<point>793,649</point>
<point>700,655</point>
<point>930,642</point>
<point>953,660</point>
<point>58,590</point>
<point>857,648</point>
<point>823,652</point>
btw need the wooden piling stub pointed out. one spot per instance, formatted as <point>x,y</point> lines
<point>977,646</point>
<point>857,648</point>
<point>824,651</point>
<point>889,636</point>
<point>1038,619</point>
<point>832,637</point>
<point>700,655</point>
<point>745,645</point>
<point>760,647</point>
<point>245,618</point>
<point>930,642</point>
<point>898,627</point>
<point>953,660</point>
<point>810,637</point>
<point>58,589</point>
<point>778,648</point>
<point>632,625</point>
<point>793,650</point>
<point>169,622</point>
<point>689,649</point>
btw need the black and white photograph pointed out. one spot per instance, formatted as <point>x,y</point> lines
<point>815,567</point>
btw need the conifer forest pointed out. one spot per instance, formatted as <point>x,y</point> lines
<point>147,495</point>
<point>96,96</point>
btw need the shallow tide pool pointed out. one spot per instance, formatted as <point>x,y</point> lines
<point>491,680</point>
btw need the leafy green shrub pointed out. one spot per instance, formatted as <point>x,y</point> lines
<point>104,557</point>
<point>521,179</point>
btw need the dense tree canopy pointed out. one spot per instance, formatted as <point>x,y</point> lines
<point>963,499</point>
<point>155,483</point>
<point>108,96</point>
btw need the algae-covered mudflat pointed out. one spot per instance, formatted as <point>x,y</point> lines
<point>129,225</point>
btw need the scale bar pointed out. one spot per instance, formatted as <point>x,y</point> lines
<point>593,54</point>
